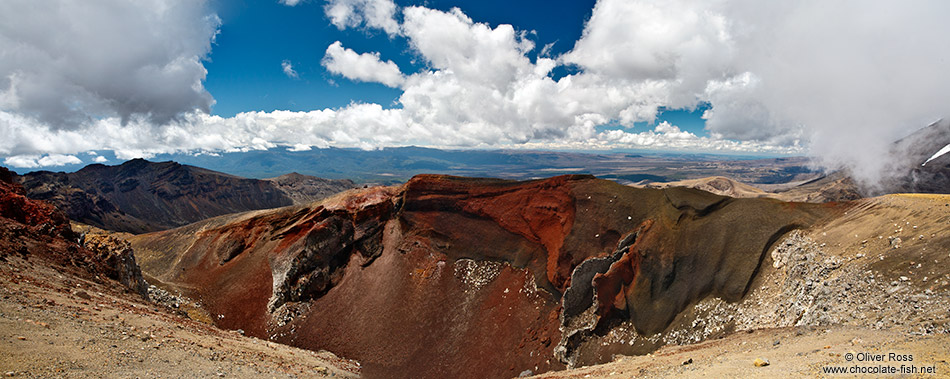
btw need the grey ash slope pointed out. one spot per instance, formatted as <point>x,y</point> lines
<point>924,169</point>
<point>141,196</point>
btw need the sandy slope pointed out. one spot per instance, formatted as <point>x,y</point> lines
<point>834,187</point>
<point>716,184</point>
<point>54,323</point>
<point>791,352</point>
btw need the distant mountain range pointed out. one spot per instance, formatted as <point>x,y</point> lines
<point>141,196</point>
<point>397,164</point>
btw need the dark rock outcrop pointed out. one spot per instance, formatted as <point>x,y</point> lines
<point>118,259</point>
<point>303,189</point>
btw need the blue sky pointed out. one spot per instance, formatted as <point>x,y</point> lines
<point>244,68</point>
<point>81,80</point>
<point>256,37</point>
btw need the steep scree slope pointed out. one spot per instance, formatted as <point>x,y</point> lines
<point>458,277</point>
<point>141,196</point>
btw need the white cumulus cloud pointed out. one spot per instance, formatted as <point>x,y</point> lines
<point>34,161</point>
<point>366,67</point>
<point>379,14</point>
<point>681,43</point>
<point>822,75</point>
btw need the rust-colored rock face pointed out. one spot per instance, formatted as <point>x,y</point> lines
<point>15,206</point>
<point>457,277</point>
<point>611,287</point>
<point>37,228</point>
<point>541,212</point>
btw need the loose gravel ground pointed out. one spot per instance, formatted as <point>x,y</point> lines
<point>55,323</point>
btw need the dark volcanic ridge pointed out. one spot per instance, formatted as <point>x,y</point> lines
<point>141,196</point>
<point>448,276</point>
<point>921,161</point>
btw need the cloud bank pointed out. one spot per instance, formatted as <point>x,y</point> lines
<point>839,81</point>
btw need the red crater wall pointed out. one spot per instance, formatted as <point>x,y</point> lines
<point>460,277</point>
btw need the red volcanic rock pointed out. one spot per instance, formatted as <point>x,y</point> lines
<point>610,288</point>
<point>459,277</point>
<point>33,227</point>
<point>540,211</point>
<point>15,206</point>
<point>258,264</point>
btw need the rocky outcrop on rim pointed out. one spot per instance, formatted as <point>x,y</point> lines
<point>36,228</point>
<point>117,255</point>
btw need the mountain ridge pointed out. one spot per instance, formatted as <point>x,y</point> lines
<point>141,196</point>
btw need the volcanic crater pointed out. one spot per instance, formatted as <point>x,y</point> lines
<point>449,276</point>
